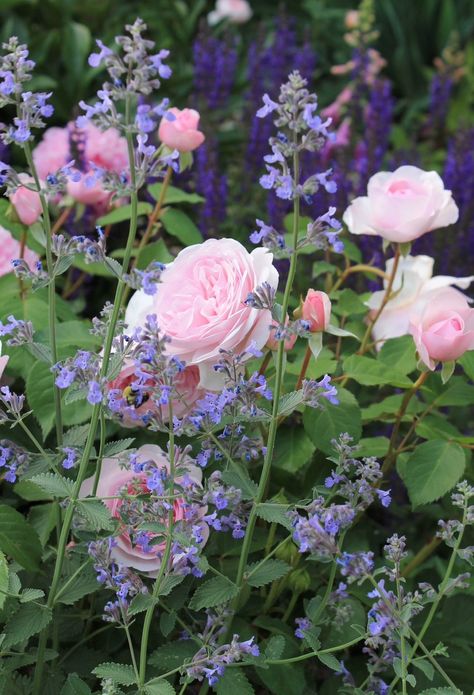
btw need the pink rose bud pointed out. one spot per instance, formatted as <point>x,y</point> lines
<point>272,343</point>
<point>27,203</point>
<point>402,205</point>
<point>182,133</point>
<point>351,19</point>
<point>444,330</point>
<point>316,309</point>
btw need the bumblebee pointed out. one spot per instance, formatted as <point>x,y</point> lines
<point>134,398</point>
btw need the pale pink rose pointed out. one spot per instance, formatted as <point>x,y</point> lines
<point>182,133</point>
<point>272,343</point>
<point>106,149</point>
<point>413,288</point>
<point>114,479</point>
<point>186,384</point>
<point>200,303</point>
<point>445,329</point>
<point>402,205</point>
<point>27,203</point>
<point>10,250</point>
<point>316,309</point>
<point>235,11</point>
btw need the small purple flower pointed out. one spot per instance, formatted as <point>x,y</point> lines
<point>71,457</point>
<point>267,108</point>
<point>95,59</point>
<point>94,393</point>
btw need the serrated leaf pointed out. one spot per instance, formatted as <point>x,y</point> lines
<point>28,595</point>
<point>234,682</point>
<point>293,449</point>
<point>18,539</point>
<point>322,426</point>
<point>27,621</point>
<point>167,623</point>
<point>441,691</point>
<point>330,661</point>
<point>275,647</point>
<point>172,654</point>
<point>75,686</point>
<point>399,354</point>
<point>123,213</point>
<point>432,470</point>
<point>41,352</point>
<point>370,372</point>
<point>43,519</point>
<point>425,667</point>
<point>267,572</point>
<point>174,195</point>
<point>289,402</point>
<point>170,582</point>
<point>213,592</point>
<point>116,447</point>
<point>76,436</point>
<point>274,513</point>
<point>118,673</point>
<point>141,603</point>
<point>96,514</point>
<point>162,687</point>
<point>54,484</point>
<point>241,481</point>
<point>83,584</point>
<point>3,579</point>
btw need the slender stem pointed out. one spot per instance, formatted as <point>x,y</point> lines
<point>132,650</point>
<point>291,606</point>
<point>421,556</point>
<point>359,268</point>
<point>391,456</point>
<point>83,641</point>
<point>61,219</point>
<point>164,560</point>
<point>68,517</point>
<point>51,291</point>
<point>101,454</point>
<point>310,655</point>
<point>385,300</point>
<point>265,362</point>
<point>404,665</point>
<point>304,368</point>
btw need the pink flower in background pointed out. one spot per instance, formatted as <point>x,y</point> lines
<point>413,288</point>
<point>106,149</point>
<point>200,303</point>
<point>27,203</point>
<point>186,383</point>
<point>444,330</point>
<point>316,309</point>
<point>3,361</point>
<point>10,249</point>
<point>272,343</point>
<point>182,132</point>
<point>114,479</point>
<point>236,11</point>
<point>334,109</point>
<point>402,205</point>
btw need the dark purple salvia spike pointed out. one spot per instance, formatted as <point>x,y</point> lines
<point>215,63</point>
<point>212,185</point>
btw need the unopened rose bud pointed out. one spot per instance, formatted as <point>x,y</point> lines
<point>182,132</point>
<point>316,310</point>
<point>26,202</point>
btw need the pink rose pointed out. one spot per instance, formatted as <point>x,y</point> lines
<point>316,309</point>
<point>3,361</point>
<point>10,249</point>
<point>182,133</point>
<point>27,203</point>
<point>402,205</point>
<point>87,194</point>
<point>200,303</point>
<point>272,343</point>
<point>185,383</point>
<point>236,11</point>
<point>445,329</point>
<point>414,288</point>
<point>114,479</point>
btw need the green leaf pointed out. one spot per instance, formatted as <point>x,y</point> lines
<point>116,447</point>
<point>30,619</point>
<point>3,579</point>
<point>335,330</point>
<point>447,371</point>
<point>441,691</point>
<point>274,513</point>
<point>388,408</point>
<point>43,519</point>
<point>293,449</point>
<point>330,661</point>
<point>242,481</point>
<point>174,195</point>
<point>370,372</point>
<point>275,647</point>
<point>167,623</point>
<point>399,354</point>
<point>118,673</point>
<point>315,344</point>
<point>289,402</point>
<point>322,426</point>
<point>425,667</point>
<point>123,213</point>
<point>18,539</point>
<point>75,686</point>
<point>76,436</point>
<point>172,654</point>
<point>28,595</point>
<point>169,583</point>
<point>432,470</point>
<point>96,514</point>
<point>54,484</point>
<point>179,225</point>
<point>456,393</point>
<point>213,592</point>
<point>349,303</point>
<point>234,682</point>
<point>267,572</point>
<point>141,603</point>
<point>162,687</point>
<point>467,363</point>
<point>373,446</point>
<point>41,352</point>
<point>83,584</point>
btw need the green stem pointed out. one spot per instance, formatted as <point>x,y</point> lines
<point>291,606</point>
<point>51,291</point>
<point>132,650</point>
<point>310,655</point>
<point>100,455</point>
<point>164,561</point>
<point>68,517</point>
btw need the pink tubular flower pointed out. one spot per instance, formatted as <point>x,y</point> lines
<point>235,11</point>
<point>27,203</point>
<point>182,133</point>
<point>402,205</point>
<point>114,480</point>
<point>272,343</point>
<point>185,383</point>
<point>445,329</point>
<point>316,309</point>
<point>106,149</point>
<point>10,249</point>
<point>200,303</point>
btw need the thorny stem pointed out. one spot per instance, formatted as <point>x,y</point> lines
<point>68,517</point>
